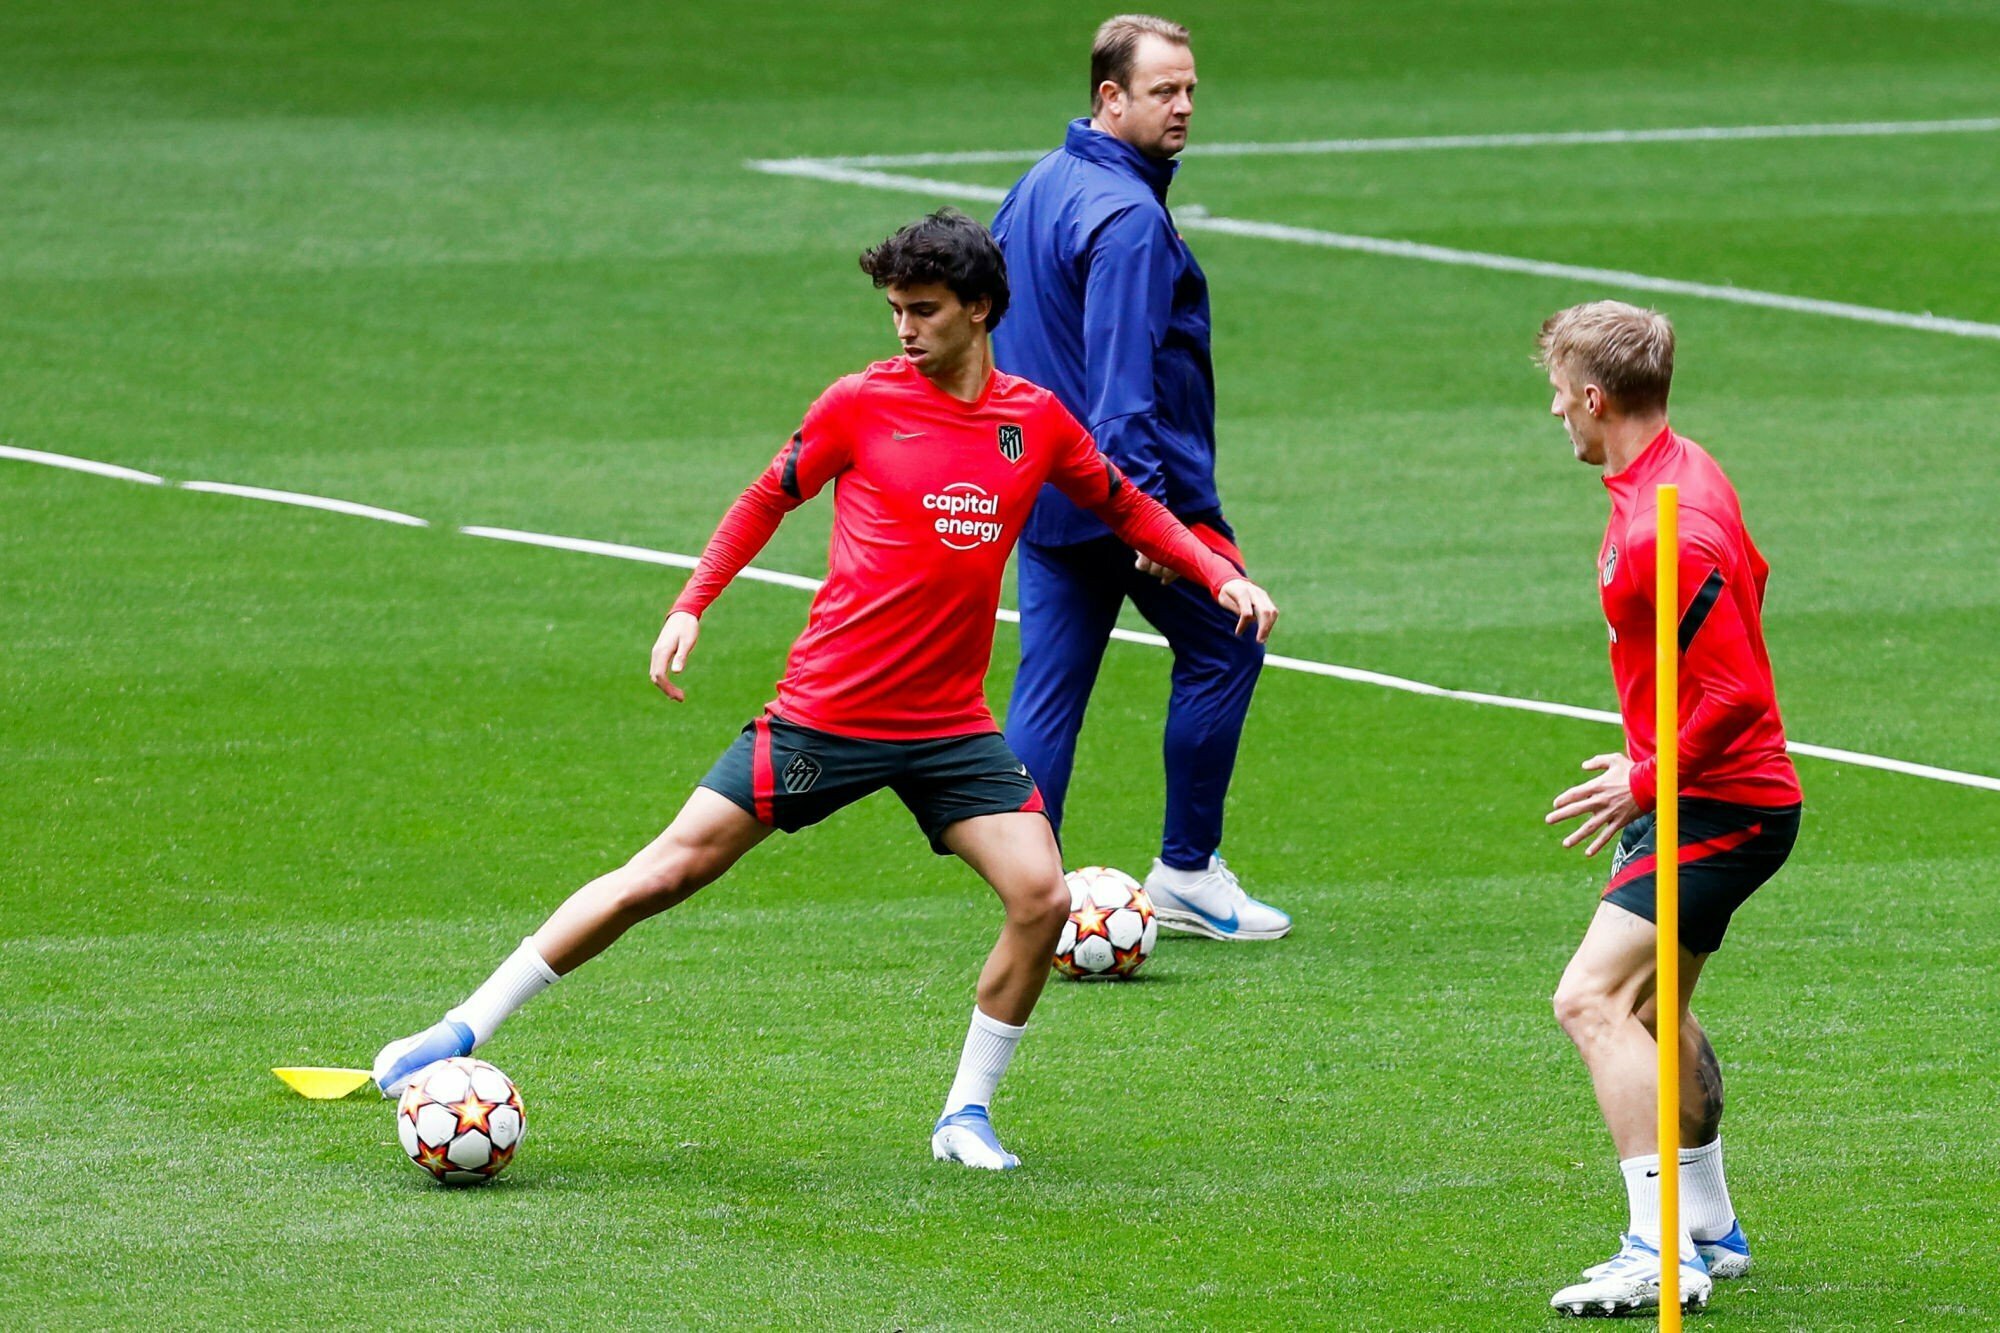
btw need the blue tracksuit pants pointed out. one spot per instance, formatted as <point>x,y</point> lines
<point>1070,598</point>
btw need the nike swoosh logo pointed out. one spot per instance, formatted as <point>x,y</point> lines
<point>1022,769</point>
<point>906,434</point>
<point>1219,922</point>
<point>1651,1175</point>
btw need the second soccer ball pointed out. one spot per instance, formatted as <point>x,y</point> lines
<point>1111,931</point>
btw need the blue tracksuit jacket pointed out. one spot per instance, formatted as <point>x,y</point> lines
<point>1123,342</point>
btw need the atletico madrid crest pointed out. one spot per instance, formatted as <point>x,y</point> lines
<point>801,774</point>
<point>1012,444</point>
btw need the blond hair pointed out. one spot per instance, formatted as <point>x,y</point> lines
<point>1117,42</point>
<point>1623,349</point>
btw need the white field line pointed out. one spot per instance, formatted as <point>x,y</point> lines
<point>650,556</point>
<point>1197,220</point>
<point>1435,142</point>
<point>70,464</point>
<point>1438,254</point>
<point>822,170</point>
<point>304,501</point>
<point>643,554</point>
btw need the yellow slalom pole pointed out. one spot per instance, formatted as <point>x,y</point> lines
<point>1667,896</point>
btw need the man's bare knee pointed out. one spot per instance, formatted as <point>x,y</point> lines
<point>1583,1010</point>
<point>1055,902</point>
<point>1041,905</point>
<point>662,876</point>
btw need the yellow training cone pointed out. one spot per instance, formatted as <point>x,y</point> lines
<point>321,1084</point>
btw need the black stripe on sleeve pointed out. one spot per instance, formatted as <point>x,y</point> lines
<point>1697,612</point>
<point>789,478</point>
<point>1113,478</point>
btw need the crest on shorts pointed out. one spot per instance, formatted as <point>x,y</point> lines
<point>1012,443</point>
<point>801,773</point>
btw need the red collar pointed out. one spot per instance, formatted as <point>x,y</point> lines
<point>1652,461</point>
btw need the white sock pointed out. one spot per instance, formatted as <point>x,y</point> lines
<point>515,982</point>
<point>1179,879</point>
<point>1705,1206</point>
<point>1642,1192</point>
<point>989,1045</point>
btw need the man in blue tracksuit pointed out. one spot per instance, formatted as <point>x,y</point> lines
<point>1110,312</point>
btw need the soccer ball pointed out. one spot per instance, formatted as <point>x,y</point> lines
<point>461,1120</point>
<point>1110,930</point>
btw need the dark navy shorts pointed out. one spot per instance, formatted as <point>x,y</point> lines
<point>1727,852</point>
<point>790,776</point>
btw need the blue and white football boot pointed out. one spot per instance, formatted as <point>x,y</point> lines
<point>966,1135</point>
<point>1630,1282</point>
<point>1214,905</point>
<point>398,1060</point>
<point>1728,1257</point>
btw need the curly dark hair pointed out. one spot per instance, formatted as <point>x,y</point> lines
<point>947,247</point>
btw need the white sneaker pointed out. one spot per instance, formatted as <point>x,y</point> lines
<point>1630,1282</point>
<point>1214,905</point>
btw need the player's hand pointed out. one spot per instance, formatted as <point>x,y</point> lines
<point>1252,605</point>
<point>1606,799</point>
<point>1153,569</point>
<point>671,649</point>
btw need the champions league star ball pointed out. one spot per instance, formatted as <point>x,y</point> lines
<point>461,1120</point>
<point>1110,931</point>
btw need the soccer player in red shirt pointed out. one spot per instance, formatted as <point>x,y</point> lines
<point>936,459</point>
<point>1611,365</point>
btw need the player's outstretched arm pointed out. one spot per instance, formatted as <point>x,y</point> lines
<point>818,452</point>
<point>1147,526</point>
<point>671,649</point>
<point>738,538</point>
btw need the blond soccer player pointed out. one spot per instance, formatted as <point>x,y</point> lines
<point>1611,366</point>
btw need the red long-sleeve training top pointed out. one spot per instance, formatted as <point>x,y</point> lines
<point>1732,741</point>
<point>930,494</point>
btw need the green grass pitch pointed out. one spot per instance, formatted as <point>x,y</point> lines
<point>282,784</point>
